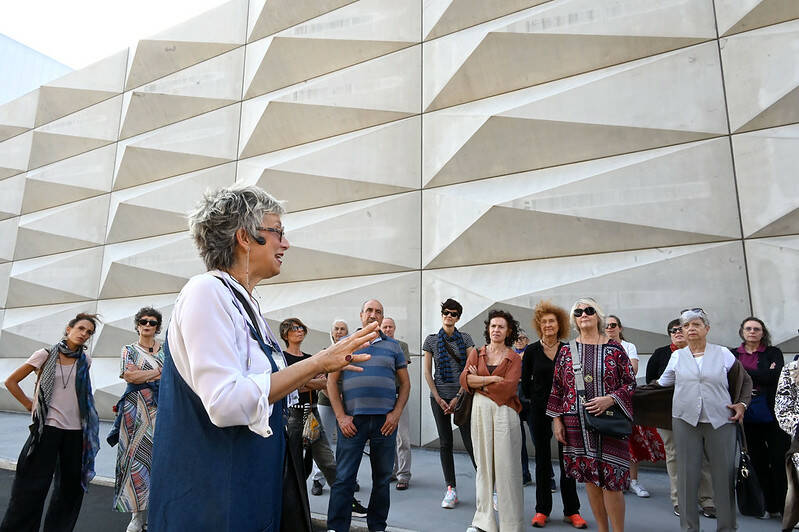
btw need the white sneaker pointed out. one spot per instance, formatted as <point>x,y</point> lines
<point>495,501</point>
<point>638,489</point>
<point>450,499</point>
<point>137,522</point>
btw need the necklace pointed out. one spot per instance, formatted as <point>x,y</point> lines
<point>150,349</point>
<point>69,375</point>
<point>548,346</point>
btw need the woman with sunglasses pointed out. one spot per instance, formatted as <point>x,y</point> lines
<point>645,444</point>
<point>448,349</point>
<point>219,449</point>
<point>64,433</point>
<point>140,367</point>
<point>767,443</point>
<point>711,393</point>
<point>601,462</point>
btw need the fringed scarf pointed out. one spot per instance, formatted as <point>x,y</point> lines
<point>447,373</point>
<point>89,421</point>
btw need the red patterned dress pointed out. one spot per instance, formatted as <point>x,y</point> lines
<point>607,371</point>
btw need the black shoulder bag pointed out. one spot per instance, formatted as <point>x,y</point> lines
<point>748,493</point>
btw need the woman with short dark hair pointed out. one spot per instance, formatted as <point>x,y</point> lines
<point>140,367</point>
<point>492,375</point>
<point>766,442</point>
<point>63,438</point>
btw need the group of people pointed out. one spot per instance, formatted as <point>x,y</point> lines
<point>220,413</point>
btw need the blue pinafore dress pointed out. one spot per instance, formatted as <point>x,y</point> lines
<point>211,478</point>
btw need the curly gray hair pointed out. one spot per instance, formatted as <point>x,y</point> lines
<point>213,224</point>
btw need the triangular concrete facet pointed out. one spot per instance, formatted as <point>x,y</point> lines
<point>126,225</point>
<point>321,190</point>
<point>517,145</point>
<point>24,293</point>
<point>6,132</point>
<point>122,280</point>
<point>278,15</point>
<point>51,147</point>
<point>504,62</point>
<point>767,12</point>
<point>282,67</point>
<point>147,111</point>
<point>783,111</point>
<point>464,13</point>
<point>41,195</point>
<point>285,124</point>
<point>154,59</point>
<point>34,243</point>
<point>575,235</point>
<point>144,165</point>
<point>787,224</point>
<point>56,102</point>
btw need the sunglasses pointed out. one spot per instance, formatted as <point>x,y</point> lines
<point>609,325</point>
<point>151,323</point>
<point>589,311</point>
<point>297,328</point>
<point>453,313</point>
<point>675,330</point>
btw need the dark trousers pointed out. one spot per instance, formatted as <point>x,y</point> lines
<point>767,446</point>
<point>541,426</point>
<point>58,451</point>
<point>348,459</point>
<point>444,426</point>
<point>524,416</point>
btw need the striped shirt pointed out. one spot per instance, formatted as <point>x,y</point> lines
<point>373,390</point>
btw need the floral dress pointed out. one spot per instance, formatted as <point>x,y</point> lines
<point>134,453</point>
<point>786,405</point>
<point>607,371</point>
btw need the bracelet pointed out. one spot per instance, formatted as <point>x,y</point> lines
<point>744,405</point>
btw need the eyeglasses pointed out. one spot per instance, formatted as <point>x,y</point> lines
<point>609,325</point>
<point>151,323</point>
<point>279,232</point>
<point>589,311</point>
<point>675,330</point>
<point>297,328</point>
<point>453,313</point>
<point>753,329</point>
<point>695,309</point>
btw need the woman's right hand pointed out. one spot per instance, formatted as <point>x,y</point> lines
<point>559,430</point>
<point>340,355</point>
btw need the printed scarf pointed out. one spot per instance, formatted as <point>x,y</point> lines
<point>89,421</point>
<point>444,371</point>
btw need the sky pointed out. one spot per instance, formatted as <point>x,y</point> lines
<point>79,32</point>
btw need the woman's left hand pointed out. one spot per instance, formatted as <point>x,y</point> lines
<point>597,405</point>
<point>339,355</point>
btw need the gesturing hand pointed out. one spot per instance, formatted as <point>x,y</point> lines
<point>340,355</point>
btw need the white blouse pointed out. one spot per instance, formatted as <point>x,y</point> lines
<point>630,349</point>
<point>214,353</point>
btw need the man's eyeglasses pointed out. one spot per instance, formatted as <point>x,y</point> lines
<point>453,313</point>
<point>611,325</point>
<point>589,311</point>
<point>675,330</point>
<point>695,309</point>
<point>151,323</point>
<point>279,232</point>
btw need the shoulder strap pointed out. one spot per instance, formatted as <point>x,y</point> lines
<point>255,331</point>
<point>577,365</point>
<point>451,353</point>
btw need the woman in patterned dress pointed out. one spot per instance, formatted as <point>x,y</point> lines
<point>141,364</point>
<point>601,462</point>
<point>645,442</point>
<point>786,410</point>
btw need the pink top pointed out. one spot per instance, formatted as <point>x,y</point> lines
<point>63,411</point>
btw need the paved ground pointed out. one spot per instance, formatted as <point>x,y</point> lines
<point>415,509</point>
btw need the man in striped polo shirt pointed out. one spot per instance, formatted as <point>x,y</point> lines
<point>368,408</point>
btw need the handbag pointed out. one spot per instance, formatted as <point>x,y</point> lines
<point>612,422</point>
<point>758,410</point>
<point>747,487</point>
<point>311,429</point>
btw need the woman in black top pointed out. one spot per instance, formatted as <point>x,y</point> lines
<point>767,443</point>
<point>538,366</point>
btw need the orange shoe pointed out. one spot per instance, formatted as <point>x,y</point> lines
<point>539,520</point>
<point>576,521</point>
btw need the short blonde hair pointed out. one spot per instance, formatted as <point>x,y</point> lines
<point>599,313</point>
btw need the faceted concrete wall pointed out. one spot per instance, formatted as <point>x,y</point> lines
<point>498,152</point>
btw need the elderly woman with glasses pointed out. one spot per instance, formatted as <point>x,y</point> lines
<point>601,462</point>
<point>220,449</point>
<point>711,393</point>
<point>766,442</point>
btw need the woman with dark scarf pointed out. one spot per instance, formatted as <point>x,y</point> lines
<point>450,349</point>
<point>63,437</point>
<point>140,367</point>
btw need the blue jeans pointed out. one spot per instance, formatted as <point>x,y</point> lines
<point>348,460</point>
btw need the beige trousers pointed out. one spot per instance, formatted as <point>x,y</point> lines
<point>705,486</point>
<point>497,444</point>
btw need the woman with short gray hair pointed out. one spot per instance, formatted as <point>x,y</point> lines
<point>707,425</point>
<point>225,383</point>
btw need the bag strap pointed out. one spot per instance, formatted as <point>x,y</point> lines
<point>451,353</point>
<point>577,366</point>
